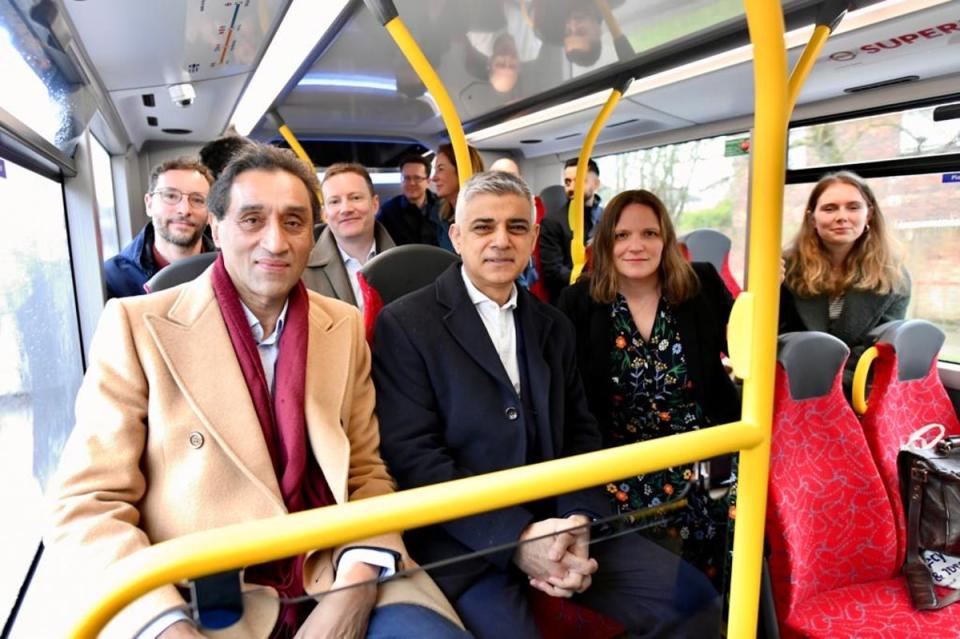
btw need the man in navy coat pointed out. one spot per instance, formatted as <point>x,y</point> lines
<point>474,375</point>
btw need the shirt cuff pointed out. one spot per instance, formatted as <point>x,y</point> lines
<point>161,623</point>
<point>383,559</point>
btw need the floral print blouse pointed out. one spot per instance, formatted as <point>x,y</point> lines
<point>652,396</point>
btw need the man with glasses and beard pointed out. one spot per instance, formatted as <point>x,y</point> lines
<point>177,207</point>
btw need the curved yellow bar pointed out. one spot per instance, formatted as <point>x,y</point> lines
<point>802,69</point>
<point>612,23</point>
<point>411,51</point>
<point>768,152</point>
<point>213,551</point>
<point>575,212</point>
<point>295,145</point>
<point>859,391</point>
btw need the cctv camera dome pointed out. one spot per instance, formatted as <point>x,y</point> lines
<point>182,95</point>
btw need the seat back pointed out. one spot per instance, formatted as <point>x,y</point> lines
<point>554,198</point>
<point>829,522</point>
<point>180,271</point>
<point>396,272</point>
<point>708,245</point>
<point>906,394</point>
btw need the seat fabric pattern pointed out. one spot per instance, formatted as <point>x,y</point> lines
<point>563,619</point>
<point>875,610</point>
<point>895,409</point>
<point>829,523</point>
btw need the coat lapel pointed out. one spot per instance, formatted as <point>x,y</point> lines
<point>861,312</point>
<point>536,328</point>
<point>813,312</point>
<point>192,339</point>
<point>326,385</point>
<point>326,257</point>
<point>464,323</point>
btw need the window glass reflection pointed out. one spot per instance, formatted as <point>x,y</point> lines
<point>103,186</point>
<point>50,97</point>
<point>40,360</point>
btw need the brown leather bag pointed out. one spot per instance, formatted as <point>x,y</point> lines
<point>930,486</point>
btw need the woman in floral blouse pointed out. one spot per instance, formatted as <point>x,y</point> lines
<point>650,333</point>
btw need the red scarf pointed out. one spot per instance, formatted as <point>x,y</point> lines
<point>282,421</point>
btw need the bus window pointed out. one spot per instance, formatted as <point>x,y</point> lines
<point>103,186</point>
<point>42,361</point>
<point>703,183</point>
<point>921,212</point>
<point>921,208</point>
<point>891,136</point>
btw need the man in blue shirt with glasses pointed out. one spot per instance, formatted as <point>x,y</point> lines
<point>177,207</point>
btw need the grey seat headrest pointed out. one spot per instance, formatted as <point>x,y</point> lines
<point>812,361</point>
<point>916,343</point>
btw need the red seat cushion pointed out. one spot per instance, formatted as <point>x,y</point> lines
<point>565,619</point>
<point>895,409</point>
<point>829,523</point>
<point>875,610</point>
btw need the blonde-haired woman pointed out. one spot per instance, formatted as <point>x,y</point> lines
<point>842,274</point>
<point>446,184</point>
<point>650,330</point>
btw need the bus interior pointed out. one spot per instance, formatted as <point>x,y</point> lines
<point>96,93</point>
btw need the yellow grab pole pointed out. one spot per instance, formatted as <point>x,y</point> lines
<point>803,66</point>
<point>858,395</point>
<point>212,551</point>
<point>411,51</point>
<point>575,210</point>
<point>765,22</point>
<point>295,145</point>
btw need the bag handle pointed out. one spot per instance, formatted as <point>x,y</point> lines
<point>915,568</point>
<point>917,440</point>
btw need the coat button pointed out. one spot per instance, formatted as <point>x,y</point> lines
<point>196,439</point>
<point>511,413</point>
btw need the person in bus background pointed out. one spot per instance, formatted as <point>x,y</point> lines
<point>410,218</point>
<point>176,204</point>
<point>475,375</point>
<point>530,278</point>
<point>556,234</point>
<point>650,330</point>
<point>234,397</point>
<point>446,183</point>
<point>842,273</point>
<point>216,154</point>
<point>352,236</point>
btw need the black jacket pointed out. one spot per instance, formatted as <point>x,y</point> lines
<point>702,322</point>
<point>447,410</point>
<point>555,237</point>
<point>862,312</point>
<point>407,223</point>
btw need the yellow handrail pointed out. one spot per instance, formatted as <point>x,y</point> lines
<point>411,51</point>
<point>803,66</point>
<point>575,210</point>
<point>765,22</point>
<point>254,542</point>
<point>858,394</point>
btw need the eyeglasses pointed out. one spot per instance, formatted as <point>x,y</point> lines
<point>172,196</point>
<point>413,179</point>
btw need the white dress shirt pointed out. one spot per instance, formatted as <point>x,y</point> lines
<point>353,267</point>
<point>500,325</point>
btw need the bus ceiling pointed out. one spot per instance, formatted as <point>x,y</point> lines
<point>526,76</point>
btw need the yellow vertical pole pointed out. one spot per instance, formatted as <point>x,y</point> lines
<point>408,46</point>
<point>575,210</point>
<point>768,151</point>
